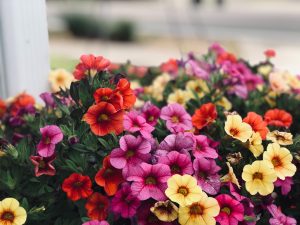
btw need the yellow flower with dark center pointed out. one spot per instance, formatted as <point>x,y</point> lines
<point>259,177</point>
<point>197,86</point>
<point>282,138</point>
<point>230,176</point>
<point>225,103</point>
<point>60,78</point>
<point>165,211</point>
<point>200,212</point>
<point>180,96</point>
<point>255,144</point>
<point>236,128</point>
<point>281,158</point>
<point>183,189</point>
<point>11,213</point>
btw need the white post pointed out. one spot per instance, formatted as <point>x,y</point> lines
<point>24,46</point>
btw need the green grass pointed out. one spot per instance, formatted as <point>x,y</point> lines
<point>63,62</point>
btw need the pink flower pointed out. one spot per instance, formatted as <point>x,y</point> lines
<point>194,68</point>
<point>124,202</point>
<point>202,148</point>
<point>150,181</point>
<point>43,165</point>
<point>96,222</point>
<point>278,217</point>
<point>132,152</point>
<point>177,119</point>
<point>231,211</point>
<point>178,163</point>
<point>133,122</point>
<point>286,185</point>
<point>51,135</point>
<point>151,113</point>
<point>206,172</point>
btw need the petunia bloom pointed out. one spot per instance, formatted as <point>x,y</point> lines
<point>171,67</point>
<point>202,148</point>
<point>257,123</point>
<point>281,138</point>
<point>278,118</point>
<point>278,217</point>
<point>97,206</point>
<point>21,101</point>
<point>286,185</point>
<point>205,115</point>
<point>48,99</point>
<point>165,211</point>
<point>255,144</point>
<point>151,113</point>
<point>123,88</point>
<point>236,128</point>
<point>110,96</point>
<point>43,166</point>
<point>60,79</point>
<point>11,213</point>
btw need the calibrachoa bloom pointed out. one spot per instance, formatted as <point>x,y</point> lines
<point>255,144</point>
<point>278,218</point>
<point>51,135</point>
<point>286,185</point>
<point>183,189</point>
<point>77,186</point>
<point>281,158</point>
<point>171,67</point>
<point>132,152</point>
<point>21,101</point>
<point>48,99</point>
<point>151,113</point>
<point>150,181</point>
<point>180,97</point>
<point>231,210</point>
<point>60,79</point>
<point>103,119</point>
<point>123,88</point>
<point>110,96</point>
<point>281,138</point>
<point>236,128</point>
<point>11,213</point>
<point>205,115</point>
<point>177,119</point>
<point>165,211</point>
<point>257,123</point>
<point>97,206</point>
<point>96,222</point>
<point>43,166</point>
<point>202,148</point>
<point>259,177</point>
<point>278,118</point>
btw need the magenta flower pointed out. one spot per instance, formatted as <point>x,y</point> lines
<point>133,122</point>
<point>178,163</point>
<point>150,181</point>
<point>194,68</point>
<point>124,202</point>
<point>151,113</point>
<point>286,185</point>
<point>278,217</point>
<point>231,211</point>
<point>206,172</point>
<point>96,222</point>
<point>51,135</point>
<point>43,166</point>
<point>132,152</point>
<point>177,119</point>
<point>48,99</point>
<point>202,148</point>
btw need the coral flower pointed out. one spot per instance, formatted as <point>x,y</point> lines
<point>21,101</point>
<point>281,158</point>
<point>177,119</point>
<point>255,144</point>
<point>278,118</point>
<point>270,53</point>
<point>205,115</point>
<point>97,206</point>
<point>259,177</point>
<point>77,186</point>
<point>231,210</point>
<point>203,211</point>
<point>171,67</point>
<point>150,181</point>
<point>236,128</point>
<point>183,190</point>
<point>110,96</point>
<point>257,123</point>
<point>60,79</point>
<point>281,138</point>
<point>96,222</point>
<point>103,119</point>
<point>165,211</point>
<point>51,135</point>
<point>2,108</point>
<point>202,148</point>
<point>43,166</point>
<point>151,113</point>
<point>11,213</point>
<point>109,177</point>
<point>129,98</point>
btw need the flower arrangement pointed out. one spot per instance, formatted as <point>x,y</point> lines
<point>204,140</point>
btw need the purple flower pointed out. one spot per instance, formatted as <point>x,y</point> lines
<point>177,119</point>
<point>286,185</point>
<point>278,217</point>
<point>51,135</point>
<point>195,69</point>
<point>132,152</point>
<point>48,99</point>
<point>206,172</point>
<point>150,181</point>
<point>124,202</point>
<point>202,148</point>
<point>96,222</point>
<point>151,113</point>
<point>178,163</point>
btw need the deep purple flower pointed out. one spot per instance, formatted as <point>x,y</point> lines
<point>202,148</point>
<point>286,185</point>
<point>48,99</point>
<point>278,217</point>
<point>151,113</point>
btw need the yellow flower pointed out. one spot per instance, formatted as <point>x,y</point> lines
<point>11,213</point>
<point>158,86</point>
<point>255,144</point>
<point>281,158</point>
<point>197,86</point>
<point>60,78</point>
<point>225,103</point>
<point>265,69</point>
<point>278,83</point>
<point>236,128</point>
<point>201,212</point>
<point>259,177</point>
<point>180,96</point>
<point>282,138</point>
<point>292,80</point>
<point>230,176</point>
<point>165,211</point>
<point>183,189</point>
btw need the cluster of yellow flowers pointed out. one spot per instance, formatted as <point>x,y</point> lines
<point>11,213</point>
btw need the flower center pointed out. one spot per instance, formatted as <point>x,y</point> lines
<point>107,172</point>
<point>175,168</point>
<point>47,140</point>
<point>60,80</point>
<point>234,131</point>
<point>276,161</point>
<point>183,190</point>
<point>8,216</point>
<point>105,98</point>
<point>257,175</point>
<point>202,174</point>
<point>150,181</point>
<point>42,164</point>
<point>196,209</point>
<point>226,210</point>
<point>77,184</point>
<point>151,118</point>
<point>129,154</point>
<point>175,119</point>
<point>103,117</point>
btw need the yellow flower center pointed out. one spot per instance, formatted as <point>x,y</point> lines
<point>198,89</point>
<point>276,161</point>
<point>103,117</point>
<point>183,190</point>
<point>175,119</point>
<point>129,154</point>
<point>151,118</point>
<point>150,181</point>
<point>8,216</point>
<point>226,210</point>
<point>196,209</point>
<point>105,98</point>
<point>234,131</point>
<point>257,175</point>
<point>60,80</point>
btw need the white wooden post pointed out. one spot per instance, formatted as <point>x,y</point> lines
<point>24,46</point>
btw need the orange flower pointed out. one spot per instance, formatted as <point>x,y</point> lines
<point>103,119</point>
<point>109,177</point>
<point>123,87</point>
<point>21,101</point>
<point>226,56</point>
<point>257,123</point>
<point>108,95</point>
<point>278,118</point>
<point>2,108</point>
<point>205,115</point>
<point>171,66</point>
<point>97,206</point>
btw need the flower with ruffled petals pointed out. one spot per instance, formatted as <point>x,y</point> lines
<point>255,144</point>
<point>286,185</point>
<point>236,128</point>
<point>123,88</point>
<point>179,97</point>
<point>165,211</point>
<point>97,206</point>
<point>133,122</point>
<point>110,96</point>
<point>11,213</point>
<point>60,79</point>
<point>20,102</point>
<point>43,166</point>
<point>281,138</point>
<point>151,113</point>
<point>278,218</point>
<point>198,87</point>
<point>257,123</point>
<point>202,148</point>
<point>205,115</point>
<point>278,118</point>
<point>171,67</point>
<point>48,99</point>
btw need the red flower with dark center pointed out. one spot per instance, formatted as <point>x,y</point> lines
<point>129,98</point>
<point>43,166</point>
<point>204,116</point>
<point>97,206</point>
<point>171,67</point>
<point>77,186</point>
<point>278,118</point>
<point>109,96</point>
<point>103,119</point>
<point>257,123</point>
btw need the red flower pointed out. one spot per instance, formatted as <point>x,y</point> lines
<point>97,206</point>
<point>2,108</point>
<point>108,95</point>
<point>21,101</point>
<point>90,64</point>
<point>77,186</point>
<point>103,119</point>
<point>171,66</point>
<point>43,165</point>
<point>278,118</point>
<point>205,115</point>
<point>270,53</point>
<point>226,56</point>
<point>123,87</point>
<point>257,123</point>
<point>109,177</point>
